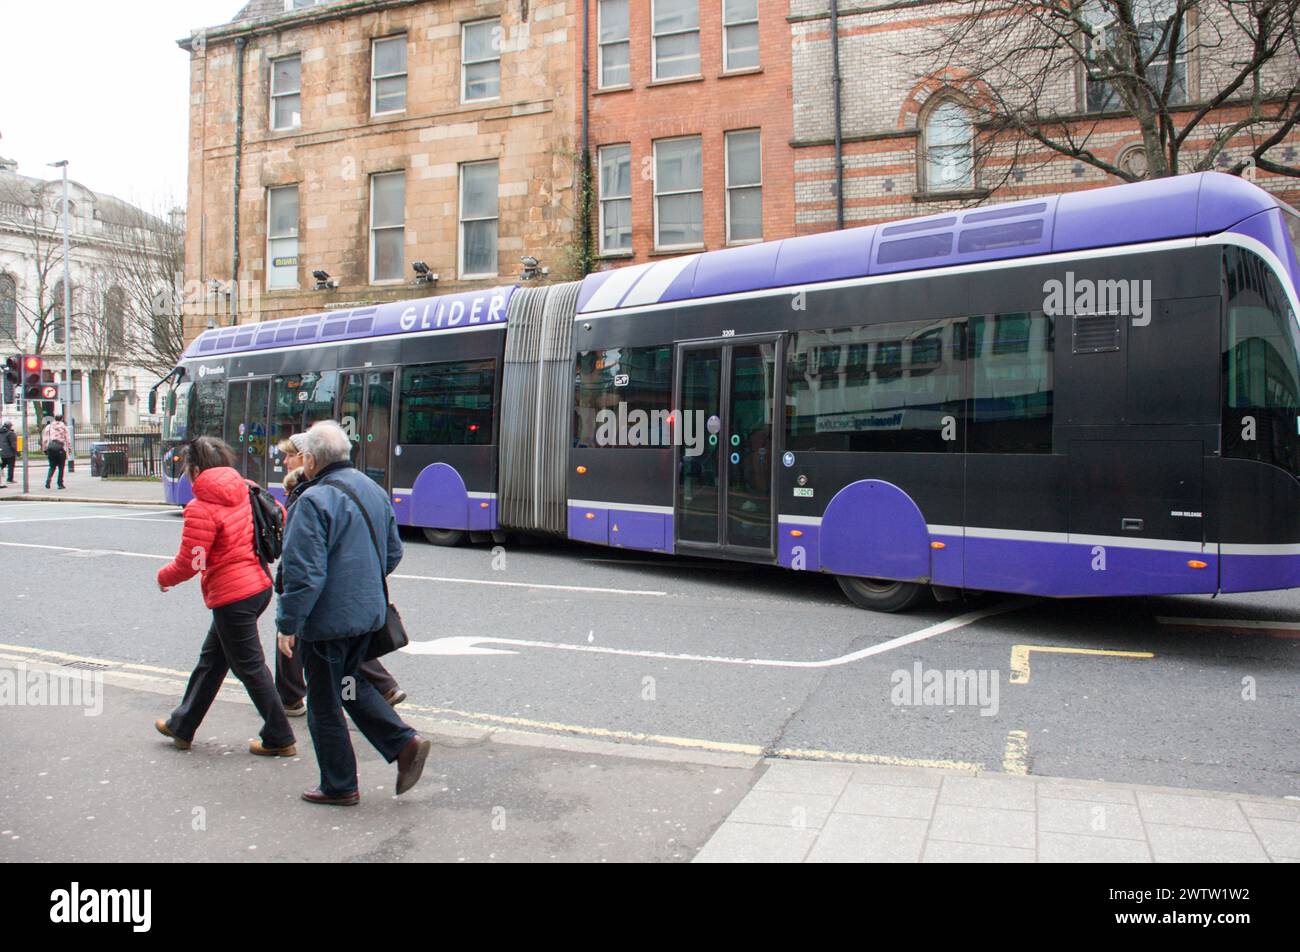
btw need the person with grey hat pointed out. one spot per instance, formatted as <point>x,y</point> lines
<point>289,680</point>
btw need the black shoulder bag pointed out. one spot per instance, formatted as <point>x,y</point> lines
<point>392,634</point>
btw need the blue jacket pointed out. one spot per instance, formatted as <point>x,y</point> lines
<point>332,582</point>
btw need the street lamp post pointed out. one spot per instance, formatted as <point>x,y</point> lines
<point>67,311</point>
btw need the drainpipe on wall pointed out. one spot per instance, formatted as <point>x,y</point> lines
<point>240,43</point>
<point>839,128</point>
<point>584,200</point>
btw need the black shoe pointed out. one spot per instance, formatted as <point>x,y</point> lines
<point>410,763</point>
<point>296,710</point>
<point>315,795</point>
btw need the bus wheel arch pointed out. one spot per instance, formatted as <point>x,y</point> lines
<point>447,538</point>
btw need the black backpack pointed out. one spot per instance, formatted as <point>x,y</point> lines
<point>268,525</point>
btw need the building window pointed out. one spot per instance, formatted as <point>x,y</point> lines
<point>676,38</point>
<point>614,45</point>
<point>948,148</point>
<point>387,226</point>
<point>447,404</point>
<point>286,93</point>
<point>478,220</point>
<point>744,186</point>
<point>1153,17</point>
<point>739,34</point>
<point>388,75</point>
<point>9,308</point>
<point>679,193</point>
<point>615,198</point>
<point>480,58</point>
<point>282,237</point>
<point>56,321</point>
<point>114,323</point>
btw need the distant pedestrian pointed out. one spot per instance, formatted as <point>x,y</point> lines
<point>8,450</point>
<point>334,569</point>
<point>55,442</point>
<point>289,680</point>
<point>217,542</point>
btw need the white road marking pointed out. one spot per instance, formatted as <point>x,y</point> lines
<point>471,645</point>
<point>414,578</point>
<point>7,522</point>
<point>543,585</point>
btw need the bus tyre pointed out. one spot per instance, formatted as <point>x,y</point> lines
<point>445,537</point>
<point>881,595</point>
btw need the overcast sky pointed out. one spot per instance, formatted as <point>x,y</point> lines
<point>103,85</point>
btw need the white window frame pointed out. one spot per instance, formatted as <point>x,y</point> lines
<point>270,238</point>
<point>282,95</point>
<point>374,230</point>
<point>375,77</point>
<point>726,157</point>
<point>604,199</point>
<point>654,161</point>
<point>464,73</point>
<point>461,220</point>
<point>726,44</point>
<point>654,48</point>
<point>601,44</point>
<point>968,182</point>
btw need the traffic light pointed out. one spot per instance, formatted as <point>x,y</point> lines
<point>13,377</point>
<point>33,382</point>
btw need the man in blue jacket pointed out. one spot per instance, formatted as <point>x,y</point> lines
<point>333,599</point>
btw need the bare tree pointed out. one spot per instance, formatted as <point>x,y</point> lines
<point>1207,83</point>
<point>39,323</point>
<point>147,271</point>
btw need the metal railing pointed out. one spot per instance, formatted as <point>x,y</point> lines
<point>135,453</point>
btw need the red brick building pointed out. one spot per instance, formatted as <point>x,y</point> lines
<point>690,123</point>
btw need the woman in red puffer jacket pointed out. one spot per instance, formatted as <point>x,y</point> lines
<point>217,543</point>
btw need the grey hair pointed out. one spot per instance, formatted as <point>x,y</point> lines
<point>327,443</point>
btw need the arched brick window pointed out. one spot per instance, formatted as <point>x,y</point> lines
<point>947,154</point>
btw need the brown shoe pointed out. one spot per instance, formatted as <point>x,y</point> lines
<point>161,726</point>
<point>256,747</point>
<point>314,795</point>
<point>395,697</point>
<point>410,763</point>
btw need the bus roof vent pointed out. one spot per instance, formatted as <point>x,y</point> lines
<point>307,330</point>
<point>1096,333</point>
<point>361,327</point>
<point>913,249</point>
<point>334,329</point>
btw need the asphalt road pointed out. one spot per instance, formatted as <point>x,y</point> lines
<point>723,657</point>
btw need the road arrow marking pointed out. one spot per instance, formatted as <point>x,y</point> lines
<point>1020,657</point>
<point>469,645</point>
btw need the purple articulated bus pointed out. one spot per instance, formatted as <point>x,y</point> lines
<point>1092,394</point>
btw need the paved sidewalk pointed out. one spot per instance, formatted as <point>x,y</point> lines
<point>82,487</point>
<point>805,812</point>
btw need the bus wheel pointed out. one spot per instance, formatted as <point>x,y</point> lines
<point>445,537</point>
<point>881,595</point>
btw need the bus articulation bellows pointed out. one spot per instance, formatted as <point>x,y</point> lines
<point>1091,394</point>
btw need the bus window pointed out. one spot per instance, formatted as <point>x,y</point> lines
<point>448,404</point>
<point>176,414</point>
<point>1013,384</point>
<point>640,377</point>
<point>209,399</point>
<point>1261,378</point>
<point>321,392</point>
<point>871,404</point>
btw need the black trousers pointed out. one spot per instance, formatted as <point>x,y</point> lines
<point>58,459</point>
<point>9,468</point>
<point>292,687</point>
<point>332,688</point>
<point>233,644</point>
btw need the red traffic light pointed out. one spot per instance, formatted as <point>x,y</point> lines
<point>33,364</point>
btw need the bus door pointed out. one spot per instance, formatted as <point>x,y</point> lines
<point>366,413</point>
<point>247,426</point>
<point>725,395</point>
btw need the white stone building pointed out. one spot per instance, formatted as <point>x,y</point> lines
<point>109,238</point>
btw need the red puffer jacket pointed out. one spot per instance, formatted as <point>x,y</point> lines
<point>217,541</point>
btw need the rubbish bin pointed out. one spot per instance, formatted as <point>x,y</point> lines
<point>97,459</point>
<point>114,463</point>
